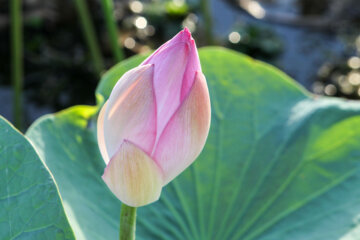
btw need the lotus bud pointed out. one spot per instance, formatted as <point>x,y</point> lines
<point>155,122</point>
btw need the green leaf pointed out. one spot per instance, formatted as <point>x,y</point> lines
<point>30,206</point>
<point>70,151</point>
<point>278,164</point>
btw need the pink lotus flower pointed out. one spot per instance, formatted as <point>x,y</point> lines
<point>155,122</point>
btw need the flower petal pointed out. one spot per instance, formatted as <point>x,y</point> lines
<point>183,36</point>
<point>193,65</point>
<point>128,79</point>
<point>133,176</point>
<point>175,63</point>
<point>131,112</point>
<point>184,137</point>
<point>168,74</point>
<point>100,133</point>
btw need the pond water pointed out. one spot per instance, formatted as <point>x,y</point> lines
<point>304,51</point>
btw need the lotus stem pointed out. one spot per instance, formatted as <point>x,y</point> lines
<point>127,222</point>
<point>108,9</point>
<point>206,12</point>
<point>16,38</point>
<point>90,36</point>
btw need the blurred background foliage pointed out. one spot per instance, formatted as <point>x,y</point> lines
<point>315,42</point>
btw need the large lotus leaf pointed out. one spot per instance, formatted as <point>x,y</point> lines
<point>279,163</point>
<point>70,151</point>
<point>30,206</point>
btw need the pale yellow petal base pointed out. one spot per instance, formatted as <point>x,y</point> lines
<point>133,176</point>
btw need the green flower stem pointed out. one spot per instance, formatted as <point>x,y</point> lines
<point>127,222</point>
<point>16,38</point>
<point>108,9</point>
<point>205,9</point>
<point>90,36</point>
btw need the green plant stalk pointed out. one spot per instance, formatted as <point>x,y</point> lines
<point>16,38</point>
<point>205,9</point>
<point>108,9</point>
<point>127,222</point>
<point>90,36</point>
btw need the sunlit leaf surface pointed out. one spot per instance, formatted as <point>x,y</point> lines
<point>278,164</point>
